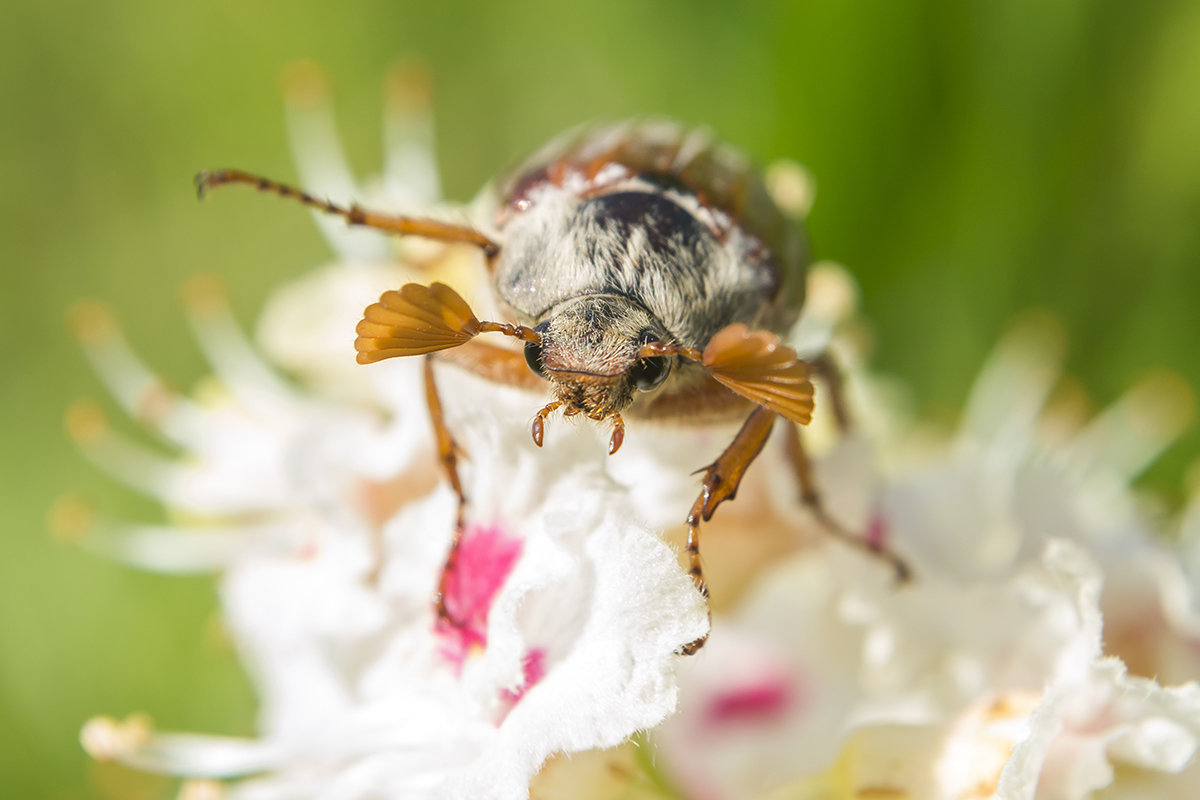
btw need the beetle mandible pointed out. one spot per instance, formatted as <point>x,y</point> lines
<point>650,275</point>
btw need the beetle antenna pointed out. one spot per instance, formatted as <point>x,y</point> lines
<point>354,214</point>
<point>654,349</point>
<point>754,364</point>
<point>522,332</point>
<point>420,319</point>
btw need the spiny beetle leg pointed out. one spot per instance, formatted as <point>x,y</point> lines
<point>448,453</point>
<point>721,481</point>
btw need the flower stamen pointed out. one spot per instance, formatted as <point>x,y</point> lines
<point>109,739</point>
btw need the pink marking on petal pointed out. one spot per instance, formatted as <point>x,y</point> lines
<point>877,533</point>
<point>764,700</point>
<point>308,551</point>
<point>486,555</point>
<point>533,668</point>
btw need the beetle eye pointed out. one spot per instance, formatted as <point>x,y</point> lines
<point>648,373</point>
<point>533,357</point>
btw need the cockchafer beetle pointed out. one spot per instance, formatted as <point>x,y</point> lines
<point>651,275</point>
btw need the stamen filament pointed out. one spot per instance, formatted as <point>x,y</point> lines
<point>184,549</point>
<point>410,174</point>
<point>193,487</point>
<point>234,359</point>
<point>139,391</point>
<point>321,159</point>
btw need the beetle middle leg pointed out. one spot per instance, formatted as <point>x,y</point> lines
<point>826,368</point>
<point>721,480</point>
<point>811,497</point>
<point>353,214</point>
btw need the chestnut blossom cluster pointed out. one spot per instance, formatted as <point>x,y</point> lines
<point>1020,663</point>
<point>1045,648</point>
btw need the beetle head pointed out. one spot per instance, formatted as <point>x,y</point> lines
<point>589,353</point>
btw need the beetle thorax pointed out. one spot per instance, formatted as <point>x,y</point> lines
<point>642,242</point>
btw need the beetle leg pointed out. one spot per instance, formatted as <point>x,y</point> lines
<point>827,369</point>
<point>811,497</point>
<point>497,364</point>
<point>354,215</point>
<point>448,453</point>
<point>721,480</point>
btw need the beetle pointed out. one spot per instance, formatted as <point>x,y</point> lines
<point>649,273</point>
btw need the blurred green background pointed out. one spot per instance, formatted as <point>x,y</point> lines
<point>972,159</point>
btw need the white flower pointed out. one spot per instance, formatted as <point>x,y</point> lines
<point>570,618</point>
<point>265,464</point>
<point>987,676</point>
<point>1020,663</point>
<point>323,509</point>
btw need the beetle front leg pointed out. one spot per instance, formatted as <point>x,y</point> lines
<point>721,481</point>
<point>448,453</point>
<point>494,364</point>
